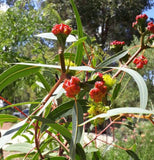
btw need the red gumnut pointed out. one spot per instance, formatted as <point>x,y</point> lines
<point>139,65</point>
<point>74,80</point>
<point>61,29</point>
<point>100,75</point>
<point>117,43</point>
<point>96,94</point>
<point>136,61</point>
<point>141,16</point>
<point>141,57</point>
<point>151,37</point>
<point>101,87</point>
<point>72,87</point>
<point>150,27</point>
<point>134,24</point>
<point>145,61</point>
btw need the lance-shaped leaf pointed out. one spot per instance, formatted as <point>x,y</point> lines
<point>77,118</point>
<point>78,68</point>
<point>112,59</point>
<point>140,83</point>
<point>10,133</point>
<point>59,128</point>
<point>79,54</point>
<point>118,111</point>
<point>51,36</point>
<point>15,72</point>
<point>7,118</point>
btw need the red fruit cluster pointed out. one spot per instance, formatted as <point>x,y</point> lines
<point>140,61</point>
<point>61,29</point>
<point>117,43</point>
<point>98,92</point>
<point>139,20</point>
<point>151,37</point>
<point>100,75</point>
<point>72,86</point>
<point>150,27</point>
<point>141,16</point>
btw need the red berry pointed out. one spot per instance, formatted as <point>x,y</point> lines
<point>150,27</point>
<point>139,65</point>
<point>72,87</point>
<point>100,85</point>
<point>61,29</point>
<point>96,94</point>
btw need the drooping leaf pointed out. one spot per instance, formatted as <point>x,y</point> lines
<point>11,157</point>
<point>51,36</point>
<point>79,68</point>
<point>7,118</point>
<point>118,111</point>
<point>81,40</point>
<point>133,154</point>
<point>10,133</point>
<point>63,108</point>
<point>79,55</point>
<point>140,83</point>
<point>15,72</point>
<point>20,147</point>
<point>116,91</point>
<point>110,60</point>
<point>44,82</point>
<point>59,128</point>
<point>80,152</point>
<point>18,104</point>
<point>77,118</point>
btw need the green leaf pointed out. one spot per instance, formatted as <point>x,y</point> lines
<point>59,128</point>
<point>116,91</point>
<point>141,85</point>
<point>10,133</point>
<point>133,154</point>
<point>18,104</point>
<point>15,72</point>
<point>77,118</point>
<point>63,108</point>
<point>7,118</point>
<point>80,152</point>
<point>11,157</point>
<point>69,56</point>
<point>118,111</point>
<point>45,83</point>
<point>79,55</point>
<point>110,60</point>
<point>20,147</point>
<point>81,40</point>
<point>79,68</point>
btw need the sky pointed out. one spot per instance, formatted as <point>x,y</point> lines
<point>150,13</point>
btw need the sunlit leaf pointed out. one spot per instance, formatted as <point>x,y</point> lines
<point>20,147</point>
<point>10,133</point>
<point>112,59</point>
<point>79,68</point>
<point>51,36</point>
<point>16,72</point>
<point>118,111</point>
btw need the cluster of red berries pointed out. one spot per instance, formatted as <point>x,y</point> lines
<point>140,61</point>
<point>99,91</point>
<point>150,27</point>
<point>72,86</point>
<point>61,29</point>
<point>139,19</point>
<point>117,43</point>
<point>151,37</point>
<point>141,16</point>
